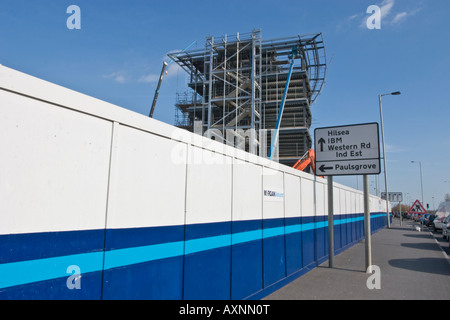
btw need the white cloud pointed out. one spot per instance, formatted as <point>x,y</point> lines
<point>171,70</point>
<point>116,76</point>
<point>120,79</point>
<point>146,76</point>
<point>386,12</point>
<point>400,17</point>
<point>149,78</point>
<point>386,7</point>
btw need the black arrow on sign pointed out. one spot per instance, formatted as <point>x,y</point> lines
<point>323,168</point>
<point>321,142</point>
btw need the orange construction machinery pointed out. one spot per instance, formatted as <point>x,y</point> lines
<point>308,159</point>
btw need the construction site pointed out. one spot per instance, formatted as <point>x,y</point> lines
<point>253,94</point>
<point>116,209</point>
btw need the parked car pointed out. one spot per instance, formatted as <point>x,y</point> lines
<point>429,220</point>
<point>439,222</point>
<point>446,227</point>
<point>442,212</point>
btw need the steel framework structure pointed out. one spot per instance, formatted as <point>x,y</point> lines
<point>237,85</point>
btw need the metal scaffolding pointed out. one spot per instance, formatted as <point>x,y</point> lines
<point>236,88</point>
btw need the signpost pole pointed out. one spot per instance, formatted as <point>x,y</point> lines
<point>348,150</point>
<point>368,243</point>
<point>330,223</point>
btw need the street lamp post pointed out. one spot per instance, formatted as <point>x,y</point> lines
<point>384,154</point>
<point>421,181</point>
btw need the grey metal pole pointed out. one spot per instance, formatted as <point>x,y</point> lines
<point>330,223</point>
<point>384,163</point>
<point>421,182</point>
<point>368,242</point>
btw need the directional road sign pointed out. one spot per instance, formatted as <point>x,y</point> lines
<point>393,196</point>
<point>347,150</point>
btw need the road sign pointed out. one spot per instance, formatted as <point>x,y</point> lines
<point>393,196</point>
<point>347,150</point>
<point>417,208</point>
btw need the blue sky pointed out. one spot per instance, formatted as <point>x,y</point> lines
<point>117,55</point>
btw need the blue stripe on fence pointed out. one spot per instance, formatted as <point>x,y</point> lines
<point>23,272</point>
